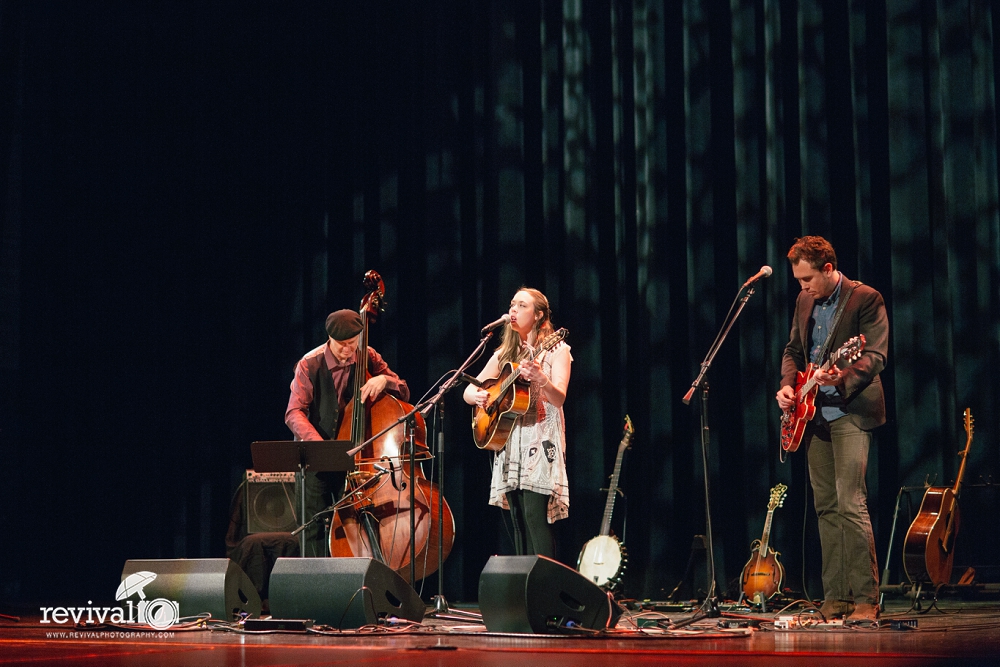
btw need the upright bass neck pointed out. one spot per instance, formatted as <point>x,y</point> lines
<point>358,422</point>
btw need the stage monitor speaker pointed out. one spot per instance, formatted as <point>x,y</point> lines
<point>269,502</point>
<point>535,594</point>
<point>341,592</point>
<point>214,585</point>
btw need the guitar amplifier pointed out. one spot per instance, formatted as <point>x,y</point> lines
<point>269,502</point>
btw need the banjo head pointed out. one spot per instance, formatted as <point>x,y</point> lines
<point>602,561</point>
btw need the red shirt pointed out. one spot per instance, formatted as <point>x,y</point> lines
<point>297,413</point>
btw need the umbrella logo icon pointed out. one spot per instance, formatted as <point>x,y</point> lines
<point>159,613</point>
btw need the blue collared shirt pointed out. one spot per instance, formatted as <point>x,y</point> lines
<point>828,399</point>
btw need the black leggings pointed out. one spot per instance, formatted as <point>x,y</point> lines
<point>532,532</point>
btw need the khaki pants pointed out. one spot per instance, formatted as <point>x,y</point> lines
<point>838,461</point>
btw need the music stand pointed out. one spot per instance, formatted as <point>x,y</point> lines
<point>298,455</point>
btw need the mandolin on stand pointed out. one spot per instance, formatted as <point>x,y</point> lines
<point>763,573</point>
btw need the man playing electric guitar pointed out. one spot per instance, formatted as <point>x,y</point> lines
<point>829,310</point>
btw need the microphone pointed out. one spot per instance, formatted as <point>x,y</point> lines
<point>496,323</point>
<point>471,380</point>
<point>764,272</point>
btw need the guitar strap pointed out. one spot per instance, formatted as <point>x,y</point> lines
<point>845,296</point>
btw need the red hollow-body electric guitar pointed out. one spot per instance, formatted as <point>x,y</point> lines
<point>803,409</point>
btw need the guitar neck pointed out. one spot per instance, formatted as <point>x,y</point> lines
<point>809,384</point>
<point>516,373</point>
<point>961,468</point>
<point>505,385</point>
<point>766,537</point>
<point>961,471</point>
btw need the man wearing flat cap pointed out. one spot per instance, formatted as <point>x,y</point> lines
<point>322,386</point>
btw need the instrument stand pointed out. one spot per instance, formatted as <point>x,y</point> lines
<point>440,603</point>
<point>892,537</point>
<point>710,607</point>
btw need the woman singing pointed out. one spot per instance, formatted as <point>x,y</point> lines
<point>529,473</point>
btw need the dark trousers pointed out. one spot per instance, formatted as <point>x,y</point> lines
<point>532,532</point>
<point>321,490</point>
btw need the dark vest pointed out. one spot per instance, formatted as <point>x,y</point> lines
<point>324,411</point>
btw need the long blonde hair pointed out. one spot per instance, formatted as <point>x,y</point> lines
<point>510,347</point>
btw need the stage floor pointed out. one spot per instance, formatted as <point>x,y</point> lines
<point>949,633</point>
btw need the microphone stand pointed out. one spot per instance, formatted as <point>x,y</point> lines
<point>710,607</point>
<point>441,608</point>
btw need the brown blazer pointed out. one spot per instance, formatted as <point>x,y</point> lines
<point>861,386</point>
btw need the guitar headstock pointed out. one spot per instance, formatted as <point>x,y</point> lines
<point>850,351</point>
<point>777,497</point>
<point>969,422</point>
<point>626,442</point>
<point>553,340</point>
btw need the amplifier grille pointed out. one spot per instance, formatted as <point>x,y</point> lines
<point>270,502</point>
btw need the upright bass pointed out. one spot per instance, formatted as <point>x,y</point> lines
<point>374,518</point>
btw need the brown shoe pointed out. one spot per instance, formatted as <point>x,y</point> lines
<point>864,612</point>
<point>832,609</point>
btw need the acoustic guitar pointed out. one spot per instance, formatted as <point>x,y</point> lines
<point>510,397</point>
<point>803,409</point>
<point>603,558</point>
<point>929,548</point>
<point>763,574</point>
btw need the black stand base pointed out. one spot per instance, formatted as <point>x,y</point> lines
<point>709,609</point>
<point>442,610</point>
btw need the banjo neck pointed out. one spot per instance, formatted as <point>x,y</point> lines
<point>609,505</point>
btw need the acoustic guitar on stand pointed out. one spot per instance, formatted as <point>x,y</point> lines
<point>803,409</point>
<point>603,558</point>
<point>763,574</point>
<point>929,547</point>
<point>510,397</point>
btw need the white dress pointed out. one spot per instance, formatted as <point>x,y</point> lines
<point>534,458</point>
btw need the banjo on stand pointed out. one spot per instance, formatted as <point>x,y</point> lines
<point>603,558</point>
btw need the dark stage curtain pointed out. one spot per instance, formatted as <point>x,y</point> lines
<point>190,188</point>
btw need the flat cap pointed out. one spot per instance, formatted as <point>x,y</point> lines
<point>343,324</point>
